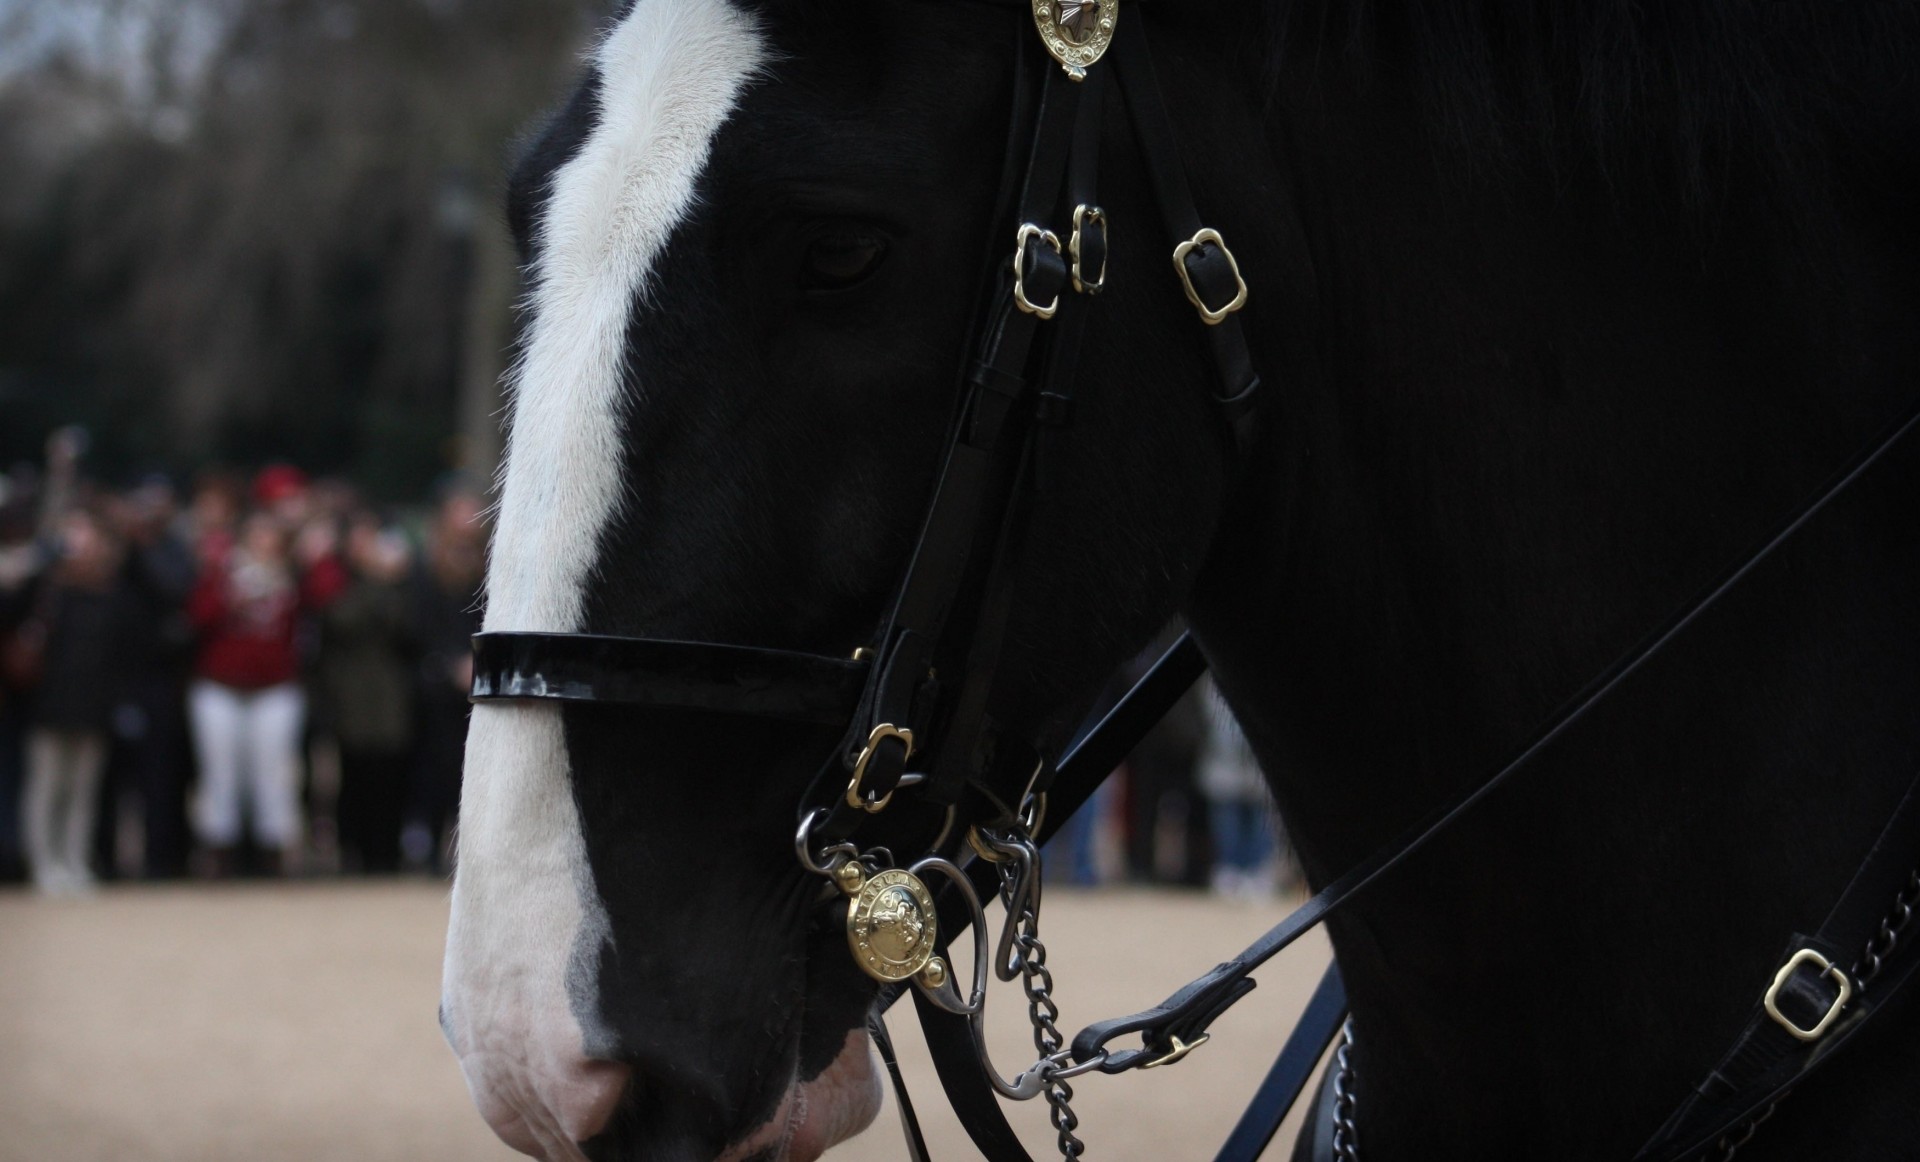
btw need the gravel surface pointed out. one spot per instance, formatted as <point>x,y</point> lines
<point>296,1022</point>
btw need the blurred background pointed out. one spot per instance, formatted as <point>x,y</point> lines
<point>256,297</point>
<point>240,230</point>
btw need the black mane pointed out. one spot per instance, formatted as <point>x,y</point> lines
<point>1676,91</point>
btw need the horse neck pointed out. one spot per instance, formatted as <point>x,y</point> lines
<point>1536,420</point>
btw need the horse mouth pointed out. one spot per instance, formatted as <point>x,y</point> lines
<point>818,1114</point>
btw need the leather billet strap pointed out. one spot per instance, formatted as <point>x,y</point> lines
<point>1210,268</point>
<point>1812,1004</point>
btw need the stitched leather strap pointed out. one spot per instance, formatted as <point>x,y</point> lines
<point>1766,1060</point>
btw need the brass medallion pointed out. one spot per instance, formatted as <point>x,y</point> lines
<point>1076,32</point>
<point>891,925</point>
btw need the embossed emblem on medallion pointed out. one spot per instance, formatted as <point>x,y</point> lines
<point>1076,32</point>
<point>891,925</point>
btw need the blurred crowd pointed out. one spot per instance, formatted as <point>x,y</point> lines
<point>259,675</point>
<point>265,675</point>
<point>1189,807</point>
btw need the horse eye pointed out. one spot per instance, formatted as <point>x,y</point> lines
<point>841,261</point>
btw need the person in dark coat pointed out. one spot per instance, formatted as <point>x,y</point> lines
<point>23,558</point>
<point>156,757</point>
<point>1168,840</point>
<point>81,621</point>
<point>365,681</point>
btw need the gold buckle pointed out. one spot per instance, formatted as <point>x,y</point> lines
<point>1180,1050</point>
<point>1084,214</point>
<point>1208,315</point>
<point>1028,232</point>
<point>1807,956</point>
<point>884,731</point>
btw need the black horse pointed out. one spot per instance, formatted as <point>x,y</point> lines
<point>1559,307</point>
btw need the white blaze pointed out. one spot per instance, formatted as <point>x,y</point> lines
<point>524,904</point>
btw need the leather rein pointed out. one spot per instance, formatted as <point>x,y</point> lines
<point>914,705</point>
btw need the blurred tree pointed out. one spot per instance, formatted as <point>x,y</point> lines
<point>245,229</point>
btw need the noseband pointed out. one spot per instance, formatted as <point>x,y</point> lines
<point>914,705</point>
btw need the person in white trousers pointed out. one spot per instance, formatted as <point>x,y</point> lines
<point>61,801</point>
<point>246,702</point>
<point>248,744</point>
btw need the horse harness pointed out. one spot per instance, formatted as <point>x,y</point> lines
<point>915,705</point>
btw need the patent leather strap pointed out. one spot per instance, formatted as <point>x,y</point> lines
<point>668,675</point>
<point>1813,1001</point>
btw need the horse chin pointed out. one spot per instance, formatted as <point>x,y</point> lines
<point>819,1114</point>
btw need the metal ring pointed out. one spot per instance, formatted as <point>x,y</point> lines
<point>946,827</point>
<point>1062,1071</point>
<point>838,855</point>
<point>983,847</point>
<point>1033,813</point>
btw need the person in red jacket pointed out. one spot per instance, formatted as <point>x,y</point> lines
<point>246,701</point>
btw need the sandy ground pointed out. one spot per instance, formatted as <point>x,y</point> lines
<point>297,1022</point>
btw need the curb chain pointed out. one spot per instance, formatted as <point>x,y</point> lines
<point>1892,925</point>
<point>1346,1138</point>
<point>1037,982</point>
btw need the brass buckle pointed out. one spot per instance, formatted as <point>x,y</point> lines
<point>1807,956</point>
<point>1178,1052</point>
<point>1084,215</point>
<point>1028,232</point>
<point>881,732</point>
<point>1208,315</point>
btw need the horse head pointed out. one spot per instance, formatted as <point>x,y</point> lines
<point>756,238</point>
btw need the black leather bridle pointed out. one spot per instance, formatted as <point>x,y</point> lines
<point>915,704</point>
